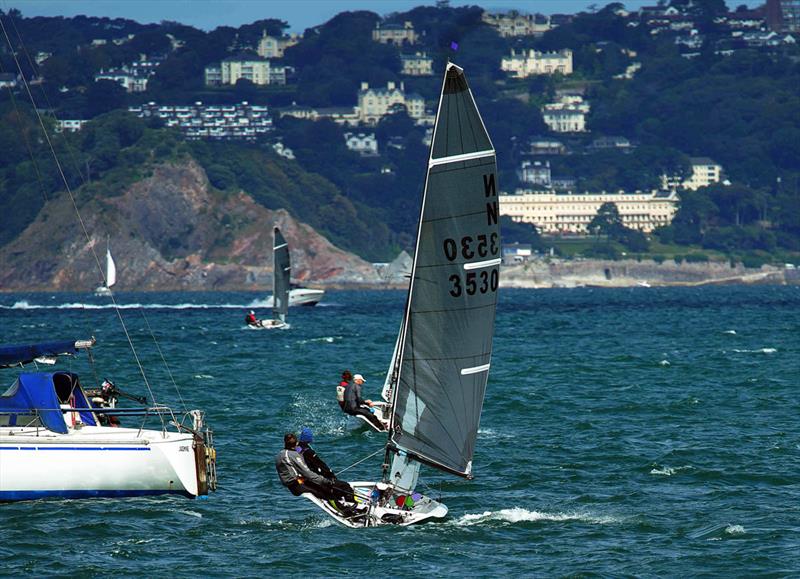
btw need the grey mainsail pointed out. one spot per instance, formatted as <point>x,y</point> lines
<point>441,369</point>
<point>280,277</point>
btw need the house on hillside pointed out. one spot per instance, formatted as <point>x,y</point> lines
<point>274,46</point>
<point>418,64</point>
<point>375,103</point>
<point>391,33</point>
<point>526,63</point>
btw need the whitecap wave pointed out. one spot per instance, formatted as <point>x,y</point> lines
<point>668,470</point>
<point>731,332</point>
<point>664,363</point>
<point>204,376</point>
<point>759,351</point>
<point>192,514</point>
<point>520,515</point>
<point>734,530</point>
<point>326,339</point>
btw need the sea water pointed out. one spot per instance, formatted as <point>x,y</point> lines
<point>640,431</point>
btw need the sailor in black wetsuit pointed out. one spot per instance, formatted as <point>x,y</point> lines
<point>310,456</point>
<point>341,489</point>
<point>355,405</point>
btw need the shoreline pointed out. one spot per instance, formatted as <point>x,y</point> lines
<point>544,273</point>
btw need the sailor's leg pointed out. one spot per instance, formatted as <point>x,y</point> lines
<point>371,417</point>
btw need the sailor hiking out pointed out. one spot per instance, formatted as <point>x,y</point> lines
<point>301,477</point>
<point>355,405</point>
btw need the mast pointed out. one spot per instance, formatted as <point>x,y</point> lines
<point>441,361</point>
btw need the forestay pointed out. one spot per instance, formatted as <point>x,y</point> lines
<point>281,275</point>
<point>442,368</point>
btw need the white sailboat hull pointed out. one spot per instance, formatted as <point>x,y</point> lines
<point>95,461</point>
<point>301,297</point>
<point>102,291</point>
<point>269,325</point>
<point>376,515</point>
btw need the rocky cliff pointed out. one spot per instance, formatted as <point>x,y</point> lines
<point>169,231</point>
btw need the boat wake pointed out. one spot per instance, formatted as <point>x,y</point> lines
<point>325,339</point>
<point>520,515</point>
<point>319,415</point>
<point>25,305</point>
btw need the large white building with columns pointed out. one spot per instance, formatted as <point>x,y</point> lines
<point>557,213</point>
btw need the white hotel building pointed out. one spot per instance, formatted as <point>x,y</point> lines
<point>557,213</point>
<point>532,62</point>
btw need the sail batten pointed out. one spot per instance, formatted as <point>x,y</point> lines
<point>449,319</point>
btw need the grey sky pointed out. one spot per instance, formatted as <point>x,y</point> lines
<point>300,14</point>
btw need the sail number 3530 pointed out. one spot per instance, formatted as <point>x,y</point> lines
<point>474,281</point>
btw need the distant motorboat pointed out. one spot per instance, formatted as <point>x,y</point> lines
<point>56,441</point>
<point>301,296</point>
<point>111,276</point>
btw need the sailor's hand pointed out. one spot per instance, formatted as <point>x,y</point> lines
<point>368,402</point>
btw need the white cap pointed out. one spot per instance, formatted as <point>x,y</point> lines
<point>358,377</point>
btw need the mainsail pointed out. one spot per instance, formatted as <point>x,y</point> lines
<point>111,269</point>
<point>280,277</point>
<point>441,366</point>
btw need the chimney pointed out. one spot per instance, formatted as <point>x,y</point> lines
<point>364,85</point>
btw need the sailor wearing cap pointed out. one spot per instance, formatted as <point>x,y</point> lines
<point>355,405</point>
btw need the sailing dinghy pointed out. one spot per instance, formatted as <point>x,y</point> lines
<point>111,275</point>
<point>437,379</point>
<point>281,274</point>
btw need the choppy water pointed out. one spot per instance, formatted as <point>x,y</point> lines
<point>635,431</point>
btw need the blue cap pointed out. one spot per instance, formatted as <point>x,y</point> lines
<point>306,435</point>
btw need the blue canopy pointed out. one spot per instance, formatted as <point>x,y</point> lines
<point>23,354</point>
<point>42,394</point>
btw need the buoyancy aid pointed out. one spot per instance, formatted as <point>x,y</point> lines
<point>340,392</point>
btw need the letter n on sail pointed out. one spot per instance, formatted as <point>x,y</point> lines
<point>489,191</point>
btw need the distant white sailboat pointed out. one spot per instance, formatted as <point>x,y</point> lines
<point>281,275</point>
<point>111,275</point>
<point>440,366</point>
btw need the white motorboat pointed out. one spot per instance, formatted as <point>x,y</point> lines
<point>56,442</point>
<point>301,296</point>
<point>437,378</point>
